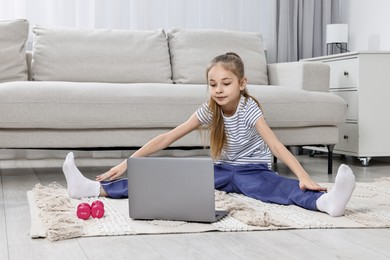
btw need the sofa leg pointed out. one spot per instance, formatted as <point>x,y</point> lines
<point>330,158</point>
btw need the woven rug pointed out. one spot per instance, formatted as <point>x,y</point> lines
<point>53,214</point>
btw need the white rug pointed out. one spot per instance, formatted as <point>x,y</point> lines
<point>53,214</point>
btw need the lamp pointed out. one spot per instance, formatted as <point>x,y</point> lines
<point>336,38</point>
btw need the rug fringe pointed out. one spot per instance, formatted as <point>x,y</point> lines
<point>241,212</point>
<point>57,212</point>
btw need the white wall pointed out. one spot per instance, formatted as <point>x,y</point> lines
<point>368,24</point>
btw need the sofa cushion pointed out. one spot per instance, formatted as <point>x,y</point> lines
<point>70,105</point>
<point>74,105</point>
<point>192,50</point>
<point>98,55</point>
<point>13,37</point>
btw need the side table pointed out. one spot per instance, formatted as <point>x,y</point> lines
<point>362,79</point>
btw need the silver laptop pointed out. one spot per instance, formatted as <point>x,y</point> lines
<point>172,189</point>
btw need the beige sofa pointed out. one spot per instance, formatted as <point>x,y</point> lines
<point>84,88</point>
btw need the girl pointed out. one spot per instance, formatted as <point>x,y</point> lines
<point>241,143</point>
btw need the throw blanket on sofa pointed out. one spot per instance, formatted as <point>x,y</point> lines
<point>53,214</point>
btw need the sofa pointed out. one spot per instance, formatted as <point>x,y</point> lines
<point>101,88</point>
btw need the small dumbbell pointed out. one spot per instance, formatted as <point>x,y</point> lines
<point>83,211</point>
<point>97,209</point>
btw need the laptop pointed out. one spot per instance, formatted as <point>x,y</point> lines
<point>166,188</point>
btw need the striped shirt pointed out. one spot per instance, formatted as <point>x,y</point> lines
<point>244,144</point>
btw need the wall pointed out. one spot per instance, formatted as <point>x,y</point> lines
<point>368,24</point>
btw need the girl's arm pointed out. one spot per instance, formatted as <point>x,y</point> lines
<point>158,143</point>
<point>281,152</point>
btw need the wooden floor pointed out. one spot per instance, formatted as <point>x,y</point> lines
<point>19,176</point>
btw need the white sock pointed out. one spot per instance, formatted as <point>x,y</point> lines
<point>335,201</point>
<point>78,185</point>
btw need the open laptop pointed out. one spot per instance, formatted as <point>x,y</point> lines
<point>167,188</point>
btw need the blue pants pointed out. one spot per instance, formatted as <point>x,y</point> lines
<point>252,180</point>
<point>258,182</point>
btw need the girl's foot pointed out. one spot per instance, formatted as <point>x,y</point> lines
<point>78,185</point>
<point>335,201</point>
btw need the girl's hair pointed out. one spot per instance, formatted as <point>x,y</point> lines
<point>233,63</point>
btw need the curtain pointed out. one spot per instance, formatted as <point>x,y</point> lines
<point>240,15</point>
<point>247,15</point>
<point>301,27</point>
<point>292,29</point>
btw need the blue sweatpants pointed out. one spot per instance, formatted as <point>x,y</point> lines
<point>117,189</point>
<point>252,180</point>
<point>259,182</point>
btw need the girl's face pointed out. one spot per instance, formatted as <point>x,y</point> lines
<point>225,88</point>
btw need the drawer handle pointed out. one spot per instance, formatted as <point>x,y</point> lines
<point>345,137</point>
<point>346,73</point>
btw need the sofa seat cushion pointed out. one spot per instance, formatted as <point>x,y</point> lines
<point>66,105</point>
<point>71,105</point>
<point>13,37</point>
<point>100,55</point>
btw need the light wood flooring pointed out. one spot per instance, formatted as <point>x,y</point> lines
<point>19,176</point>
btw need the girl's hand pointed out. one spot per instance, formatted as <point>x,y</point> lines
<point>309,184</point>
<point>113,173</point>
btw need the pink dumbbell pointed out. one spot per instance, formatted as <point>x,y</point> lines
<point>97,209</point>
<point>83,211</point>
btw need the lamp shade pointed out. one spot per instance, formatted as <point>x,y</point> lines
<point>336,33</point>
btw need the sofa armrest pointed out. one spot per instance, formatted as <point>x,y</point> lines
<point>310,76</point>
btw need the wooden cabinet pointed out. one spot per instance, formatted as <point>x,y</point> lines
<point>362,79</point>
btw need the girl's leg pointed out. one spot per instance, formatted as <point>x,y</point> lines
<point>117,189</point>
<point>223,176</point>
<point>81,187</point>
<point>78,185</point>
<point>335,201</point>
<point>257,181</point>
